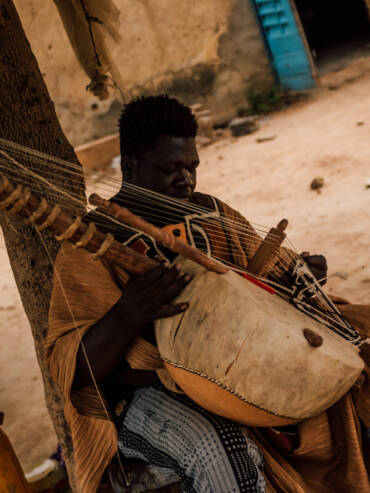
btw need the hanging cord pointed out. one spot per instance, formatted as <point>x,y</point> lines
<point>90,20</point>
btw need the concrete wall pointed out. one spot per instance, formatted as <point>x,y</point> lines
<point>201,51</point>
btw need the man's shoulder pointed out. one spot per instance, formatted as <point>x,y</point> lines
<point>205,200</point>
<point>214,204</point>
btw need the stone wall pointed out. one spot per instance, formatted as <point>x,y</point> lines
<point>201,51</point>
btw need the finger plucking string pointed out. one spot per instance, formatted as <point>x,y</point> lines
<point>166,280</point>
<point>166,311</point>
<point>153,276</point>
<point>171,291</point>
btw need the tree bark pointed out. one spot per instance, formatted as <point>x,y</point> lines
<point>27,116</point>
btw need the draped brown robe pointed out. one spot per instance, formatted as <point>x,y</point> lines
<point>331,453</point>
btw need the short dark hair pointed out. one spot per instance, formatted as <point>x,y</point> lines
<point>145,119</point>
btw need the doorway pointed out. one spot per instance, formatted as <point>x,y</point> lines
<point>337,31</point>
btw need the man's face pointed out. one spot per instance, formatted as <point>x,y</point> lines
<point>168,168</point>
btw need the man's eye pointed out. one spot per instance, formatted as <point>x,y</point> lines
<point>168,170</point>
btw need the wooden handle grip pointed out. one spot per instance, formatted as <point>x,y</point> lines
<point>165,238</point>
<point>27,205</point>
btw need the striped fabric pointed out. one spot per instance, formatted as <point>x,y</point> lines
<point>206,453</point>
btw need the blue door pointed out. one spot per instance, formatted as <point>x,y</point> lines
<point>286,46</point>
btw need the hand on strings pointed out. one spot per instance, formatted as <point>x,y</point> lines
<point>149,296</point>
<point>144,299</point>
<point>317,265</point>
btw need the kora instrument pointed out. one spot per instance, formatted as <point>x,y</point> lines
<point>238,351</point>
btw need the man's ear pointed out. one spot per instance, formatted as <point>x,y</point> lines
<point>129,165</point>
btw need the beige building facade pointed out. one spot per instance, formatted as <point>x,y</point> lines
<point>208,51</point>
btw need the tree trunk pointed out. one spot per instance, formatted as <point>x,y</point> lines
<point>27,116</point>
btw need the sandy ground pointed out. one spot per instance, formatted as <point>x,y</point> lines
<point>328,137</point>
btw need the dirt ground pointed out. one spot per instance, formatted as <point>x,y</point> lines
<point>327,136</point>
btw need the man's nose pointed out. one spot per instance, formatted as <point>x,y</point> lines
<point>185,178</point>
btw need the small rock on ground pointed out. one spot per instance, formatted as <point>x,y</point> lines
<point>317,183</point>
<point>265,138</point>
<point>243,126</point>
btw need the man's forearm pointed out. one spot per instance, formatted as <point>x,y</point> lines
<point>105,344</point>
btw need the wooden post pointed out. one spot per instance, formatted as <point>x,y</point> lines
<point>11,473</point>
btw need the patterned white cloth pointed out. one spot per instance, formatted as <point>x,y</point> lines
<point>206,453</point>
